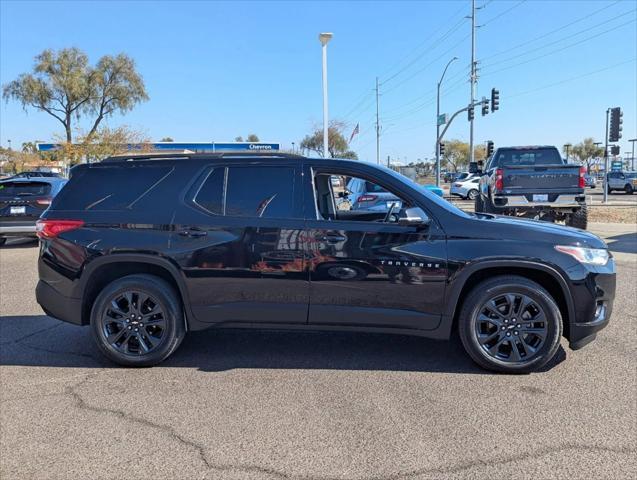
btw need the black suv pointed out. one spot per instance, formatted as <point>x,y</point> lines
<point>144,249</point>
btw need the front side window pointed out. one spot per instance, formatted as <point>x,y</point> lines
<point>371,203</point>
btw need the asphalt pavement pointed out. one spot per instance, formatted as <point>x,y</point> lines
<point>248,405</point>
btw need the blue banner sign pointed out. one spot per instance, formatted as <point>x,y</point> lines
<point>192,146</point>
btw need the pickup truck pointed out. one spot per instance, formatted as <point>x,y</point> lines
<point>533,182</point>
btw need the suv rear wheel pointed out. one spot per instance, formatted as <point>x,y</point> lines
<point>137,321</point>
<point>510,324</point>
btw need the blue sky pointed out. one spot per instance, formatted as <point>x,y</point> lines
<point>216,70</point>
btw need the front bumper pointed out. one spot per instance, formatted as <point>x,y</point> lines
<point>57,305</point>
<point>593,298</point>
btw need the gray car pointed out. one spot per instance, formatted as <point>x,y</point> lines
<point>625,181</point>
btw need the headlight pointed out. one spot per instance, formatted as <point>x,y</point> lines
<point>592,256</point>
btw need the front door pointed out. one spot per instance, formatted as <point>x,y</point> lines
<point>365,268</point>
<point>239,242</point>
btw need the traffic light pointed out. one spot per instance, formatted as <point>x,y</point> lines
<point>470,113</point>
<point>615,130</point>
<point>614,150</point>
<point>485,106</point>
<point>489,148</point>
<point>441,149</point>
<point>495,99</point>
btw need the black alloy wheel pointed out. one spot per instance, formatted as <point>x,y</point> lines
<point>510,324</point>
<point>134,323</point>
<point>138,320</point>
<point>511,327</point>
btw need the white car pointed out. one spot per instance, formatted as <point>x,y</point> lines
<point>467,189</point>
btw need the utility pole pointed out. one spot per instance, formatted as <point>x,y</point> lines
<point>606,160</point>
<point>377,127</point>
<point>473,73</point>
<point>633,140</point>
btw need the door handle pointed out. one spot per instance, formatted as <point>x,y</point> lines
<point>193,232</point>
<point>332,238</point>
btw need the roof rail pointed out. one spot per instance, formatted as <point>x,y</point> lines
<point>180,156</point>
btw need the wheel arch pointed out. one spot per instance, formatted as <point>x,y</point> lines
<point>547,277</point>
<point>104,270</point>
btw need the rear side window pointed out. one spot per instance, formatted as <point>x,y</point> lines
<point>530,157</point>
<point>266,192</point>
<point>110,188</point>
<point>261,192</point>
<point>24,189</point>
<point>210,195</point>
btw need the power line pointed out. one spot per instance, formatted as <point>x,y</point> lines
<point>502,13</point>
<point>559,49</point>
<point>446,52</point>
<point>568,37</point>
<point>570,79</point>
<point>547,34</point>
<point>442,25</point>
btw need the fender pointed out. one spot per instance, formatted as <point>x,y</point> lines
<point>458,281</point>
<point>153,259</point>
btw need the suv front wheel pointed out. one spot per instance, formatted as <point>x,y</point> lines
<point>510,324</point>
<point>137,321</point>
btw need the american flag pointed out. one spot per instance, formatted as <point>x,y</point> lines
<point>355,132</point>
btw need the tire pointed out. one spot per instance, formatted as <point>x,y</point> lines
<point>628,188</point>
<point>163,330</point>
<point>472,194</point>
<point>609,190</point>
<point>579,219</point>
<point>342,272</point>
<point>2,241</point>
<point>531,352</point>
<point>479,204</point>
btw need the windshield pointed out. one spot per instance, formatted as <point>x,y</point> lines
<point>511,157</point>
<point>16,189</point>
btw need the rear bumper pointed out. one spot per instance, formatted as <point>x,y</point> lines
<point>57,305</point>
<point>7,230</point>
<point>520,201</point>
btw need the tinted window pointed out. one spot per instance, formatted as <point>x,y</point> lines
<point>19,189</point>
<point>534,156</point>
<point>111,187</point>
<point>210,195</point>
<point>372,187</point>
<point>266,192</point>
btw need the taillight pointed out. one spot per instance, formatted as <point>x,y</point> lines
<point>43,201</point>
<point>582,180</point>
<point>52,228</point>
<point>499,184</point>
<point>367,198</point>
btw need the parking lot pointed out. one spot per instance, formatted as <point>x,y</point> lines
<point>235,404</point>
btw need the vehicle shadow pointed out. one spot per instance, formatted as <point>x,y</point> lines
<point>624,243</point>
<point>19,242</point>
<point>41,341</point>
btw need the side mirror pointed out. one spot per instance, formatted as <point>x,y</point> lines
<point>344,193</point>
<point>414,217</point>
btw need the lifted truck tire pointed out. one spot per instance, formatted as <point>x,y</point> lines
<point>479,204</point>
<point>579,219</point>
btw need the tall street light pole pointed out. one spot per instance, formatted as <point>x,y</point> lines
<point>474,75</point>
<point>325,38</point>
<point>633,140</point>
<point>438,122</point>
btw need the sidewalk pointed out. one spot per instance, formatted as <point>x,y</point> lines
<point>620,237</point>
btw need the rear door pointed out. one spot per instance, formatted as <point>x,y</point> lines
<point>239,243</point>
